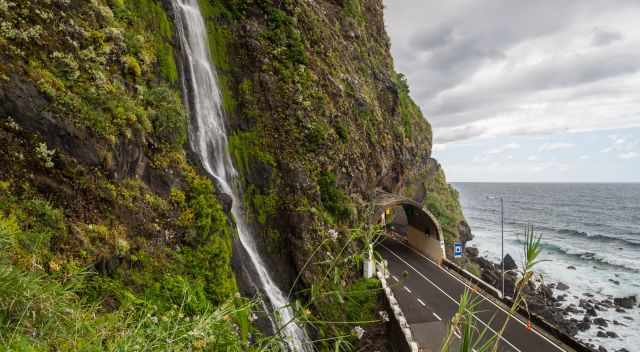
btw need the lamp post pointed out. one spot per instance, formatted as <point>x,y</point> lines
<point>502,238</point>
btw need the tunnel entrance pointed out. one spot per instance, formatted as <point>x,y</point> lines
<point>411,221</point>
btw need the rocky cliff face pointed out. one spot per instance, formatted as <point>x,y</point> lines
<point>93,130</point>
<point>320,118</point>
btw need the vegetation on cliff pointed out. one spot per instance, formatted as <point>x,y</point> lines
<point>102,212</point>
<point>110,238</point>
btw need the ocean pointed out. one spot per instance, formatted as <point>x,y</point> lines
<point>592,227</point>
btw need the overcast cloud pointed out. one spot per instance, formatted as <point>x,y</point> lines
<point>476,60</point>
<point>496,68</point>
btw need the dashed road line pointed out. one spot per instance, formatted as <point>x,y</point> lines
<point>420,301</point>
<point>451,298</point>
<point>406,289</point>
<point>437,316</point>
<point>395,278</point>
<point>515,317</point>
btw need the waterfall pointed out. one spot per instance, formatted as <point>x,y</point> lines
<point>208,138</point>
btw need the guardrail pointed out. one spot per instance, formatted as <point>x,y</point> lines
<point>545,326</point>
<point>399,322</point>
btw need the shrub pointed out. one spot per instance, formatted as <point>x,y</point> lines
<point>333,199</point>
<point>131,66</point>
<point>167,116</point>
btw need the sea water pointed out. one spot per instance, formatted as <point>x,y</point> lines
<point>592,227</point>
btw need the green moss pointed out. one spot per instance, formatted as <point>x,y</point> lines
<point>442,201</point>
<point>208,258</point>
<point>282,33</point>
<point>246,149</point>
<point>409,110</point>
<point>333,199</point>
<point>362,300</point>
<point>132,67</point>
<point>167,116</point>
<point>353,9</point>
<point>263,206</point>
<point>316,136</point>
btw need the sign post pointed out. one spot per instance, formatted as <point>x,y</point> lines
<point>457,250</point>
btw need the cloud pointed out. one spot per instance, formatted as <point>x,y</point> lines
<point>532,158</point>
<point>439,147</point>
<point>561,167</point>
<point>602,37</point>
<point>482,69</point>
<point>549,147</point>
<point>629,155</point>
<point>481,158</point>
<point>503,148</point>
<point>460,133</point>
<point>620,144</point>
<point>584,157</point>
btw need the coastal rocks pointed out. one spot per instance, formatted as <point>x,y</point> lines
<point>600,322</point>
<point>464,231</point>
<point>562,286</point>
<point>509,263</point>
<point>625,302</point>
<point>607,334</point>
<point>472,252</point>
<point>585,324</point>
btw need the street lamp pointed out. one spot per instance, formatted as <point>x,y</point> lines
<point>502,237</point>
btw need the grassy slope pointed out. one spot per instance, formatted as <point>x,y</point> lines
<point>99,259</point>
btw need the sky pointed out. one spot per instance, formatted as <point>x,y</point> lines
<point>525,91</point>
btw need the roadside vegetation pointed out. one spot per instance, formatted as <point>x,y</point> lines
<point>41,310</point>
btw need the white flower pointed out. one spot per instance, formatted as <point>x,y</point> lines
<point>358,332</point>
<point>253,317</point>
<point>384,315</point>
<point>333,234</point>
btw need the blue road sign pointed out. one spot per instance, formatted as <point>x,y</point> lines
<point>457,250</point>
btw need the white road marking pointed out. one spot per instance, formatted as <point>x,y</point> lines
<point>420,301</point>
<point>478,293</point>
<point>451,298</point>
<point>395,278</point>
<point>406,289</point>
<point>437,316</point>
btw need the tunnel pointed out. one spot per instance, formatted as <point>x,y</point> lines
<point>410,220</point>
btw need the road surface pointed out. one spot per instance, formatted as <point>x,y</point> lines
<point>429,297</point>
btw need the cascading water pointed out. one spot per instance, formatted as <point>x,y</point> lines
<point>208,138</point>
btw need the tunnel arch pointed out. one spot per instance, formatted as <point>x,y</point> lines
<point>423,231</point>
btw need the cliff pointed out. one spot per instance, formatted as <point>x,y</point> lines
<point>101,205</point>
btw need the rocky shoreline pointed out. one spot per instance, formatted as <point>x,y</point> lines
<point>548,301</point>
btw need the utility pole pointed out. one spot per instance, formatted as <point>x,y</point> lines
<point>501,238</point>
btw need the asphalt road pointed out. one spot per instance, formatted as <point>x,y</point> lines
<point>429,296</point>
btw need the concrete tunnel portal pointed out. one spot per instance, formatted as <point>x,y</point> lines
<point>409,219</point>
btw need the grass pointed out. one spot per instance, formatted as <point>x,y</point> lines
<point>38,312</point>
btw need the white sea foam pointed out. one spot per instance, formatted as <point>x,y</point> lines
<point>595,233</point>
